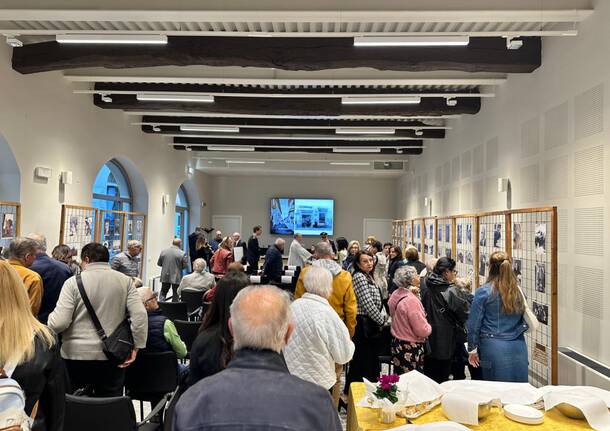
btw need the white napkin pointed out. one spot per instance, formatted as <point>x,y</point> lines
<point>419,387</point>
<point>594,409</point>
<point>432,426</point>
<point>255,279</point>
<point>589,390</point>
<point>507,392</point>
<point>286,279</point>
<point>463,406</point>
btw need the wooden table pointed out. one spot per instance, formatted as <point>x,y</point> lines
<point>365,419</point>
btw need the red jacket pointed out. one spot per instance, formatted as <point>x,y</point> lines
<point>221,260</point>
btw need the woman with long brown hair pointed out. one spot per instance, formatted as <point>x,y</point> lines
<point>496,325</point>
<point>29,354</point>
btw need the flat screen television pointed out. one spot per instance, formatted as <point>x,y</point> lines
<point>305,216</point>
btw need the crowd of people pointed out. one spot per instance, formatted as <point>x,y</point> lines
<point>263,356</point>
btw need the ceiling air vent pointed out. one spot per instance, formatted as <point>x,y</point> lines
<point>389,166</point>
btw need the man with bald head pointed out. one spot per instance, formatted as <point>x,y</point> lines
<point>172,261</point>
<point>274,262</point>
<point>256,392</point>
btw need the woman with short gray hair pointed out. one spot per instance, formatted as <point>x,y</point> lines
<point>199,280</point>
<point>409,325</point>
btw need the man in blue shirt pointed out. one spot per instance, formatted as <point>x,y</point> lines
<point>216,241</point>
<point>53,273</point>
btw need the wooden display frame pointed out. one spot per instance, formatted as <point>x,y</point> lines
<point>8,207</point>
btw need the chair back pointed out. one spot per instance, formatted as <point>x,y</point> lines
<point>187,331</point>
<point>174,310</point>
<point>151,375</point>
<point>168,422</point>
<point>99,414</point>
<point>192,298</point>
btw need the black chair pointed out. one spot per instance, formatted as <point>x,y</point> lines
<point>188,332</point>
<point>151,376</point>
<point>193,299</point>
<point>102,414</point>
<point>168,421</point>
<point>384,351</point>
<point>174,310</point>
<point>205,307</point>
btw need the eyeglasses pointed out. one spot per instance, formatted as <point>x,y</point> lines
<point>151,298</point>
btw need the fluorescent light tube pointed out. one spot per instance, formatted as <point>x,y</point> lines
<point>228,129</point>
<point>356,150</point>
<point>364,131</point>
<point>246,162</point>
<point>229,148</point>
<point>411,41</point>
<point>350,163</point>
<point>121,39</point>
<point>405,100</point>
<point>169,97</point>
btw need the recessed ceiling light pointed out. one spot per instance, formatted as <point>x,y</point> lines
<point>246,162</point>
<point>120,39</point>
<point>350,163</point>
<point>229,148</point>
<point>169,97</point>
<point>405,100</point>
<point>14,42</point>
<point>156,128</point>
<point>106,98</point>
<point>452,101</point>
<point>419,133</point>
<point>356,150</point>
<point>364,131</point>
<point>228,129</point>
<point>411,40</point>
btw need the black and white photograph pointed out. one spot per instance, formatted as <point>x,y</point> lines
<point>8,226</point>
<point>468,234</point>
<point>448,233</point>
<point>139,227</point>
<point>469,259</point>
<point>448,252</point>
<point>482,264</point>
<point>460,256</point>
<point>431,250</point>
<point>88,226</point>
<point>431,231</point>
<point>73,225</point>
<point>107,228</point>
<point>517,241</point>
<point>440,232</point>
<point>483,235</point>
<point>542,312</point>
<point>497,235</point>
<point>540,277</point>
<point>459,234</point>
<point>417,232</point>
<point>517,269</point>
<point>129,227</point>
<point>540,238</point>
<point>426,248</point>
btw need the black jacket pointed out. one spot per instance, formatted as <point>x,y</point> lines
<point>418,265</point>
<point>43,379</point>
<point>253,251</point>
<point>392,268</point>
<point>205,355</point>
<point>446,312</point>
<point>256,393</point>
<point>274,265</point>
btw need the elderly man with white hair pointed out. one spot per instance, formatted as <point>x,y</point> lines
<point>274,263</point>
<point>128,261</point>
<point>320,339</point>
<point>199,281</point>
<point>298,255</point>
<point>256,390</point>
<point>53,273</point>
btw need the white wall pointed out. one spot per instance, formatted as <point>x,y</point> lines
<point>552,142</point>
<point>45,124</point>
<point>355,199</point>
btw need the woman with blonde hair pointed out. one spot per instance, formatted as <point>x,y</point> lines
<point>496,325</point>
<point>222,257</point>
<point>29,354</point>
<point>352,249</point>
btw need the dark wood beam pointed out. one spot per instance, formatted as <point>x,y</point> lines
<point>310,107</point>
<point>481,55</point>
<point>403,151</point>
<point>296,143</point>
<point>427,134</point>
<point>292,122</point>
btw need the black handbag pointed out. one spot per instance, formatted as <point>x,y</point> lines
<point>118,346</point>
<point>371,329</point>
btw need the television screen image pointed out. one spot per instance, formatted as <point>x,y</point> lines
<point>304,216</point>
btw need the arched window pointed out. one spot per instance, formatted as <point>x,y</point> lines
<point>111,189</point>
<point>182,216</point>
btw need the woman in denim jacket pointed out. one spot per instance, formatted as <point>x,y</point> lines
<point>495,326</point>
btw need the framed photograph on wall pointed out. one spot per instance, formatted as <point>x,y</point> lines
<point>8,226</point>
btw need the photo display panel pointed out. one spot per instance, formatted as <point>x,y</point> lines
<point>418,231</point>
<point>397,227</point>
<point>78,226</point>
<point>135,228</point>
<point>465,245</point>
<point>492,233</point>
<point>9,222</point>
<point>304,216</point>
<point>111,230</point>
<point>430,238</point>
<point>532,239</point>
<point>408,234</point>
<point>445,237</point>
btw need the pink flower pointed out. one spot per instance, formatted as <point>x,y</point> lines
<point>393,378</point>
<point>386,386</point>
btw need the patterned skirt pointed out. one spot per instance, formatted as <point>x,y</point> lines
<point>407,356</point>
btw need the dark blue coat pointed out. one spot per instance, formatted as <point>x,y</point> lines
<point>54,274</point>
<point>256,393</point>
<point>274,265</point>
<point>156,341</point>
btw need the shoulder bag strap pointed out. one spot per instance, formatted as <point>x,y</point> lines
<point>96,322</point>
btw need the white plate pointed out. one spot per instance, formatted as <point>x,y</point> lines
<point>524,414</point>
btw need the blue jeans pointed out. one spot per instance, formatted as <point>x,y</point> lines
<point>504,360</point>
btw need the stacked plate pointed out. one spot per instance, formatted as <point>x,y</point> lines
<point>523,414</point>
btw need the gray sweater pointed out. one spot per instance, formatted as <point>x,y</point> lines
<point>112,294</point>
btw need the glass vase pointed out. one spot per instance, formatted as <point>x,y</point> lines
<point>386,415</point>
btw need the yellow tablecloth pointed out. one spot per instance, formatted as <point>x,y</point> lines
<point>365,419</point>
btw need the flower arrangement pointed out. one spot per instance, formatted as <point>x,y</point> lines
<point>386,387</point>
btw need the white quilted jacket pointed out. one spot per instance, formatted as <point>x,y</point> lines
<point>319,341</point>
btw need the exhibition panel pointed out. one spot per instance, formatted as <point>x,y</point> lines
<point>10,215</point>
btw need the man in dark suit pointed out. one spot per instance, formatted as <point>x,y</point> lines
<point>193,244</point>
<point>253,250</point>
<point>274,263</point>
